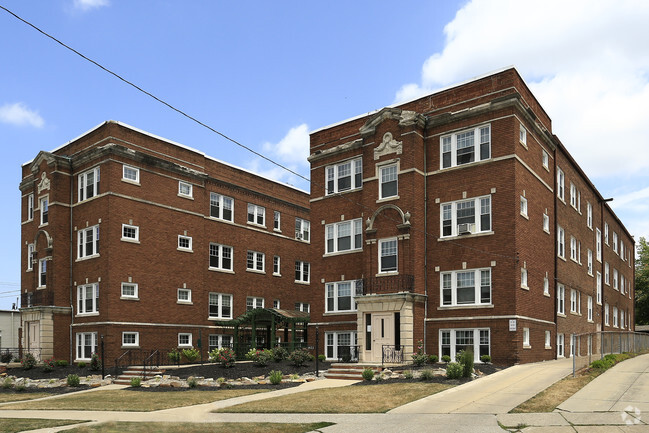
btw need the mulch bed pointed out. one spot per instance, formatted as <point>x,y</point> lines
<point>47,391</point>
<point>56,373</point>
<point>244,369</point>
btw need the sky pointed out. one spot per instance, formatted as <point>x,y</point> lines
<point>268,73</point>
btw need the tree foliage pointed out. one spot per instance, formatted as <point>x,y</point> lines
<point>642,283</point>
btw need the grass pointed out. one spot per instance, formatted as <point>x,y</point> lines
<point>123,400</point>
<point>348,399</point>
<point>21,396</point>
<point>11,425</point>
<point>132,427</point>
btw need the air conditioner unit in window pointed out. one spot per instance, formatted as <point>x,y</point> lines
<point>465,229</point>
<point>298,235</point>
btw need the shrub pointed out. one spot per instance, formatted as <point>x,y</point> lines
<point>408,374</point>
<point>61,363</point>
<point>280,353</point>
<point>174,356</point>
<point>28,362</point>
<point>136,382</point>
<point>446,358</point>
<point>192,382</point>
<point>299,357</point>
<point>20,386</point>
<point>275,377</point>
<point>224,356</point>
<point>48,365</point>
<point>419,358</point>
<point>466,360</point>
<point>73,380</point>
<point>485,358</point>
<point>295,376</point>
<point>427,374</point>
<point>95,362</point>
<point>191,354</point>
<point>81,364</point>
<point>322,358</point>
<point>432,359</point>
<point>380,377</point>
<point>260,357</point>
<point>453,370</point>
<point>7,383</point>
<point>602,364</point>
<point>6,357</point>
<point>368,374</point>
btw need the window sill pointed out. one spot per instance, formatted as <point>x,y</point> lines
<point>29,270</point>
<point>337,193</point>
<point>185,346</point>
<point>185,250</point>
<point>340,253</point>
<point>41,287</point>
<point>255,271</point>
<point>219,319</point>
<point>339,313</point>
<point>132,182</point>
<point>525,216</point>
<point>304,283</point>
<point>384,199</point>
<point>523,144</point>
<point>188,197</point>
<point>562,258</point>
<point>263,226</point>
<point>525,347</point>
<point>129,240</point>
<point>276,275</point>
<point>561,315</point>
<point>184,303</point>
<point>547,231</point>
<point>525,288</point>
<point>464,307</point>
<point>548,347</point>
<point>591,321</point>
<point>275,230</point>
<point>43,225</point>
<point>94,256</point>
<point>129,298</point>
<point>213,218</point>
<point>130,346</point>
<point>472,235</point>
<point>546,294</point>
<point>225,271</point>
<point>86,314</point>
<point>590,274</point>
<point>387,274</point>
<point>574,313</point>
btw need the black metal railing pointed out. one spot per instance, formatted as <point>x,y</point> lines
<point>389,284</point>
<point>15,354</point>
<point>392,354</point>
<point>348,353</point>
<point>39,297</point>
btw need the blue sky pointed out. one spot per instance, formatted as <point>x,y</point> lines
<point>267,73</point>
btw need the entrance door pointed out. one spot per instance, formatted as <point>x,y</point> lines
<point>34,339</point>
<point>382,333</point>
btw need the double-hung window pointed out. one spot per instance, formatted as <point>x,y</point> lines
<point>86,344</point>
<point>345,176</point>
<point>561,299</point>
<point>256,215</point>
<point>545,159</point>
<point>466,287</point>
<point>221,206</point>
<point>219,341</point>
<point>185,189</point>
<point>574,301</point>
<point>255,261</point>
<point>303,306</point>
<point>130,233</point>
<point>466,146</point>
<point>606,315</point>
<point>590,308</point>
<point>590,262</point>
<point>607,274</point>
<point>302,271</point>
<point>589,215</point>
<point>44,207</point>
<point>88,299</point>
<point>42,273</point>
<point>452,341</point>
<point>388,175</point>
<point>598,245</point>
<point>561,178</point>
<point>522,135</point>
<point>276,265</point>
<point>30,257</point>
<point>88,242</point>
<point>573,195</point>
<point>573,248</point>
<point>606,233</point>
<point>466,216</point>
<point>220,306</point>
<point>130,174</point>
<point>388,255</point>
<point>220,257</point>
<point>615,279</point>
<point>615,317</point>
<point>615,242</point>
<point>30,207</point>
<point>302,229</point>
<point>524,206</point>
<point>340,295</point>
<point>598,287</point>
<point>253,302</point>
<point>561,242</point>
<point>344,236</point>
<point>277,219</point>
<point>88,184</point>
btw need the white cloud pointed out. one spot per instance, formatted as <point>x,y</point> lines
<point>18,114</point>
<point>585,61</point>
<point>85,5</point>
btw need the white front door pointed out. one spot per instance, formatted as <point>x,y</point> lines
<point>34,339</point>
<point>382,334</point>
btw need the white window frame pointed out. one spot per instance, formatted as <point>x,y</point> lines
<point>302,229</point>
<point>303,306</point>
<point>607,274</point>
<point>560,346</point>
<point>219,341</point>
<point>44,210</point>
<point>615,322</point>
<point>332,236</point>
<point>135,294</point>
<point>573,248</point>
<point>333,295</point>
<point>598,287</point>
<point>42,273</point>
<point>589,215</point>
<point>387,178</point>
<point>189,246</point>
<point>136,233</point>
<point>561,299</point>
<point>561,242</point>
<point>276,303</point>
<point>82,299</point>
<point>30,207</point>
<point>130,174</point>
<point>218,301</point>
<point>524,284</point>
<point>524,207</point>
<point>616,274</point>
<point>546,223</point>
<point>219,204</point>
<point>606,315</point>
<point>253,302</point>
<point>31,249</point>
<point>82,244</point>
<point>573,195</point>
<point>590,308</point>
<point>258,214</point>
<point>522,135</point>
<point>83,185</point>
<point>449,144</point>
<point>80,351</point>
<point>277,262</point>
<point>183,336</point>
<point>545,159</point>
<point>333,176</point>
<point>255,261</point>
<point>331,342</point>
<point>548,340</point>
<point>135,343</point>
<point>221,250</point>
<point>526,338</point>
<point>452,278</point>
<point>480,204</point>
<point>546,286</point>
<point>606,239</point>
<point>477,334</point>
<point>180,299</point>
<point>598,244</point>
<point>615,243</point>
<point>302,272</point>
<point>622,319</point>
<point>574,296</point>
<point>382,251</point>
<point>185,189</point>
<point>561,178</point>
<point>277,221</point>
<point>590,262</point>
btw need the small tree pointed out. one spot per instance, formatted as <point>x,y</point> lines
<point>642,283</point>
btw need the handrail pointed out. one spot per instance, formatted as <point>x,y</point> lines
<point>150,357</point>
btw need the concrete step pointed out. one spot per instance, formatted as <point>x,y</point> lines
<point>136,371</point>
<point>349,371</point>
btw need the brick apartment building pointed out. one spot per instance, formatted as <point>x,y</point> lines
<point>153,245</point>
<point>459,220</point>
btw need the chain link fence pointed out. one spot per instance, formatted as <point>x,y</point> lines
<point>586,348</point>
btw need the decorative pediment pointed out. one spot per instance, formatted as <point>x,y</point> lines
<point>404,117</point>
<point>44,183</point>
<point>388,145</point>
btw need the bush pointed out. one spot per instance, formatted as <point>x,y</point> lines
<point>192,382</point>
<point>275,377</point>
<point>73,380</point>
<point>81,364</point>
<point>61,363</point>
<point>446,358</point>
<point>380,377</point>
<point>485,358</point>
<point>95,362</point>
<point>602,364</point>
<point>7,383</point>
<point>280,354</point>
<point>432,359</point>
<point>20,386</point>
<point>427,374</point>
<point>322,358</point>
<point>260,357</point>
<point>368,374</point>
<point>454,370</point>
<point>174,356</point>
<point>6,357</point>
<point>419,358</point>
<point>191,354</point>
<point>48,365</point>
<point>299,357</point>
<point>28,362</point>
<point>136,382</point>
<point>466,360</point>
<point>224,356</point>
<point>408,374</point>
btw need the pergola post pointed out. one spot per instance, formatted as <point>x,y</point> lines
<point>273,337</point>
<point>253,343</point>
<point>236,340</point>
<point>292,345</point>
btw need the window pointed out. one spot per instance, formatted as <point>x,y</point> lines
<point>252,303</point>
<point>221,207</point>
<point>389,178</point>
<point>30,207</point>
<point>340,345</point>
<point>88,299</point>
<point>621,283</point>
<point>460,148</point>
<point>452,341</point>
<point>524,206</point>
<point>589,215</point>
<point>301,271</point>
<point>220,306</point>
<point>607,274</point>
<point>220,257</point>
<point>466,287</point>
<point>276,265</point>
<point>606,233</point>
<point>561,245</point>
<point>524,279</point>
<point>184,339</point>
<point>615,242</point>
<point>615,323</point>
<point>344,236</point>
<point>561,299</point>
<point>86,345</point>
<point>598,245</point>
<point>526,337</point>
<point>302,229</point>
<point>548,336</point>
<point>615,279</point>
<point>44,208</point>
<point>598,286</point>
<point>560,185</point>
<point>574,301</point>
<point>546,223</point>
<point>573,248</point>
<point>573,195</point>
<point>130,174</point>
<point>30,257</point>
<point>546,286</point>
<point>387,255</point>
<point>130,338</point>
<point>277,219</point>
<point>545,159</point>
<point>184,296</point>
<point>185,189</point>
<point>255,261</point>
<point>256,215</point>
<point>560,341</point>
<point>590,262</point>
<point>42,273</point>
<point>340,295</point>
<point>130,233</point>
<point>88,242</point>
<point>129,290</point>
<point>184,243</point>
<point>345,176</point>
<point>522,135</point>
<point>89,184</point>
<point>218,341</point>
<point>590,308</point>
<point>606,318</point>
<point>302,306</point>
<point>622,319</point>
<point>276,303</point>
<point>459,217</point>
<point>621,250</point>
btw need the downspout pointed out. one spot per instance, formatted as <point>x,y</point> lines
<point>71,262</point>
<point>555,198</point>
<point>425,248</point>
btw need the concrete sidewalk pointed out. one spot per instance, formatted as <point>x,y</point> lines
<point>497,393</point>
<point>625,387</point>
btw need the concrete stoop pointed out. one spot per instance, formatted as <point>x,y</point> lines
<point>350,371</point>
<point>136,371</point>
